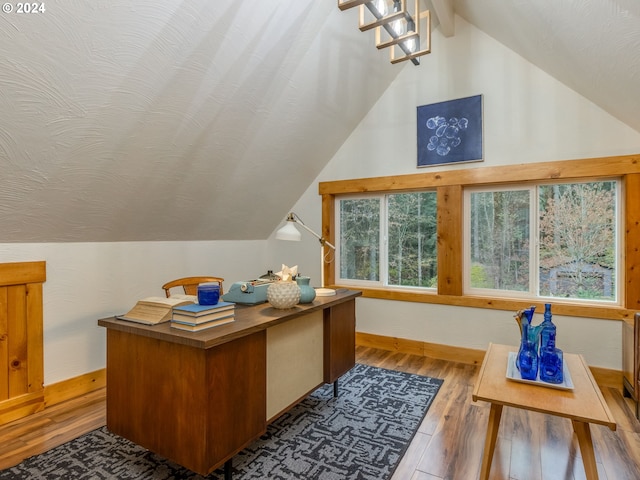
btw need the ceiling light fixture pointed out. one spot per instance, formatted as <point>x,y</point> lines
<point>398,27</point>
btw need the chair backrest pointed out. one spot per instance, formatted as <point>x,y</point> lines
<point>190,284</point>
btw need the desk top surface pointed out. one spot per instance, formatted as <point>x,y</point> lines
<point>584,403</point>
<point>248,319</point>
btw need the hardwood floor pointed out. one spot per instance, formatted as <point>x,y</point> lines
<point>448,445</point>
<point>52,427</point>
<point>531,446</point>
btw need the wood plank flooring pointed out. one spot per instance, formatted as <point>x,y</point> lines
<point>448,445</point>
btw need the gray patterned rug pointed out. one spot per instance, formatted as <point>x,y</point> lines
<point>361,435</point>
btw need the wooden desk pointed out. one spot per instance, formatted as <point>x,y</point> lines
<point>582,405</point>
<point>200,398</point>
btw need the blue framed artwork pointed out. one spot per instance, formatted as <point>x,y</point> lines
<point>450,132</point>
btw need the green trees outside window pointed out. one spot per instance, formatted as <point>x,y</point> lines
<point>550,240</point>
<point>359,246</point>
<point>578,248</point>
<point>389,239</point>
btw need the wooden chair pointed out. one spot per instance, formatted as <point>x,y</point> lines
<point>190,284</point>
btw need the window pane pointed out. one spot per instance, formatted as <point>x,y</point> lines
<point>412,239</point>
<point>500,240</point>
<point>577,240</point>
<point>360,239</point>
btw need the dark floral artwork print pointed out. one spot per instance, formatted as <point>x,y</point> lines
<point>450,132</point>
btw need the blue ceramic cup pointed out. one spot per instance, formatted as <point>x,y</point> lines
<point>208,293</point>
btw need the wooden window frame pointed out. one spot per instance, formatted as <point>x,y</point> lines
<point>450,185</point>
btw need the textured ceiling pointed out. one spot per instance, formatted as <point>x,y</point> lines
<point>592,46</point>
<point>200,120</point>
<point>165,120</point>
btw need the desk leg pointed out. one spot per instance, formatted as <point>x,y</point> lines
<point>228,469</point>
<point>335,388</point>
<point>490,440</point>
<point>586,449</point>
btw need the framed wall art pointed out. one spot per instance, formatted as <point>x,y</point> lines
<point>450,132</point>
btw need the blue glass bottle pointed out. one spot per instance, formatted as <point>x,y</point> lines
<point>528,331</point>
<point>551,365</point>
<point>547,329</point>
<point>528,360</point>
<point>550,357</point>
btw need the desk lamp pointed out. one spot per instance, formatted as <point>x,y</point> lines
<point>291,233</point>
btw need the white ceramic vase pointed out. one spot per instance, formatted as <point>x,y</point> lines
<point>283,294</point>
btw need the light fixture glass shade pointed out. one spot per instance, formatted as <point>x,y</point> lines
<point>399,26</point>
<point>289,232</point>
<point>381,7</point>
<point>400,23</point>
<point>370,20</point>
<point>411,44</point>
<point>416,41</point>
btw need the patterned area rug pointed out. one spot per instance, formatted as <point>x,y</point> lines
<point>361,435</point>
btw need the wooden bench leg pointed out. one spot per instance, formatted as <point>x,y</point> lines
<point>490,441</point>
<point>586,449</point>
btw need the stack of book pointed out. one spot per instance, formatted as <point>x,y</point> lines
<point>200,317</point>
<point>154,310</point>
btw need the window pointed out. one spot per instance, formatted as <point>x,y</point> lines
<point>578,245</point>
<point>540,258</point>
<point>547,240</point>
<point>499,232</point>
<point>359,247</point>
<point>388,240</point>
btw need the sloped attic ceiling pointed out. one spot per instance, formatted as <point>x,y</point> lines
<point>206,120</point>
<point>169,120</point>
<point>592,46</point>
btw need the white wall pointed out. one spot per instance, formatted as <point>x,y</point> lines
<point>88,281</point>
<point>528,117</point>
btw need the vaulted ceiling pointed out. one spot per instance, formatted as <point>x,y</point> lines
<point>200,120</point>
<point>592,46</point>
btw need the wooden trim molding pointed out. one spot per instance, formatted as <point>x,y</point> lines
<point>21,339</point>
<point>449,225</point>
<point>22,390</point>
<point>556,170</point>
<point>506,304</point>
<point>29,403</point>
<point>74,387</point>
<point>328,232</point>
<point>424,349</point>
<point>449,186</point>
<point>604,377</point>
<point>632,246</point>
<point>20,273</point>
